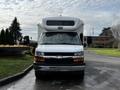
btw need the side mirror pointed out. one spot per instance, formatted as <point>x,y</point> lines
<point>84,44</point>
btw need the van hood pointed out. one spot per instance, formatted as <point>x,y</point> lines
<point>59,48</point>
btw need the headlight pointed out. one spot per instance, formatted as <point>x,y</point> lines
<point>39,53</point>
<point>79,53</point>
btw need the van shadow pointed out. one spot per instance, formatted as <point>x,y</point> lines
<point>59,81</point>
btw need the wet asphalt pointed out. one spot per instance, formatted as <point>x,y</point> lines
<point>101,73</point>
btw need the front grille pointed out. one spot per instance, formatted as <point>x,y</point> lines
<point>58,54</point>
<point>56,61</point>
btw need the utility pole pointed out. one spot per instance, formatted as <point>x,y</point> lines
<point>92,36</point>
<point>92,31</point>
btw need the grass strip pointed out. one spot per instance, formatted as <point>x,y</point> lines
<point>106,51</point>
<point>14,64</point>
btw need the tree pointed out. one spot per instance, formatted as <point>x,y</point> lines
<point>7,37</point>
<point>106,32</point>
<point>2,37</point>
<point>15,30</point>
<point>11,39</point>
<point>116,33</point>
<point>26,40</point>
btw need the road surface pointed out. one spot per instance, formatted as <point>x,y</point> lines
<point>102,73</point>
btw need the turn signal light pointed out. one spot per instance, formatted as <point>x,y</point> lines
<point>39,59</point>
<point>78,60</point>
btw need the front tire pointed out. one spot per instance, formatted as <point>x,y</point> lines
<point>82,74</point>
<point>37,75</point>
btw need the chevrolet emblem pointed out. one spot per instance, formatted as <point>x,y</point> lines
<point>59,57</point>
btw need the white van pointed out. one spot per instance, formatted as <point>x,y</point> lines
<point>60,46</point>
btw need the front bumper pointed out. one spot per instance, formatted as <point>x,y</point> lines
<point>59,68</point>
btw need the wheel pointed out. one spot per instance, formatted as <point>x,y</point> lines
<point>40,75</point>
<point>82,74</point>
<point>37,75</point>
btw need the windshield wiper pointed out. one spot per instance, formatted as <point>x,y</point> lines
<point>47,43</point>
<point>58,44</point>
<point>68,43</point>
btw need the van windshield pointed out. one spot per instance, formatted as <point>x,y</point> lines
<point>70,38</point>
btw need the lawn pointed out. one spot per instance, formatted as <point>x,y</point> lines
<point>14,64</point>
<point>106,51</point>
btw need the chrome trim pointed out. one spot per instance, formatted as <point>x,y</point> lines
<point>61,68</point>
<point>61,57</point>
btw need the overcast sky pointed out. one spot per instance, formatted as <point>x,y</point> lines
<point>96,14</point>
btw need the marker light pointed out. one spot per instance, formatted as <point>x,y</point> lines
<point>39,59</point>
<point>79,60</point>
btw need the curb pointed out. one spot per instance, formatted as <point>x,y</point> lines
<point>15,77</point>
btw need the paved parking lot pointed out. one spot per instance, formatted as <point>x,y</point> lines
<point>102,73</point>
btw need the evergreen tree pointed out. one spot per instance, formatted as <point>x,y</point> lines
<point>26,40</point>
<point>15,30</point>
<point>2,37</point>
<point>8,37</point>
<point>11,39</point>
